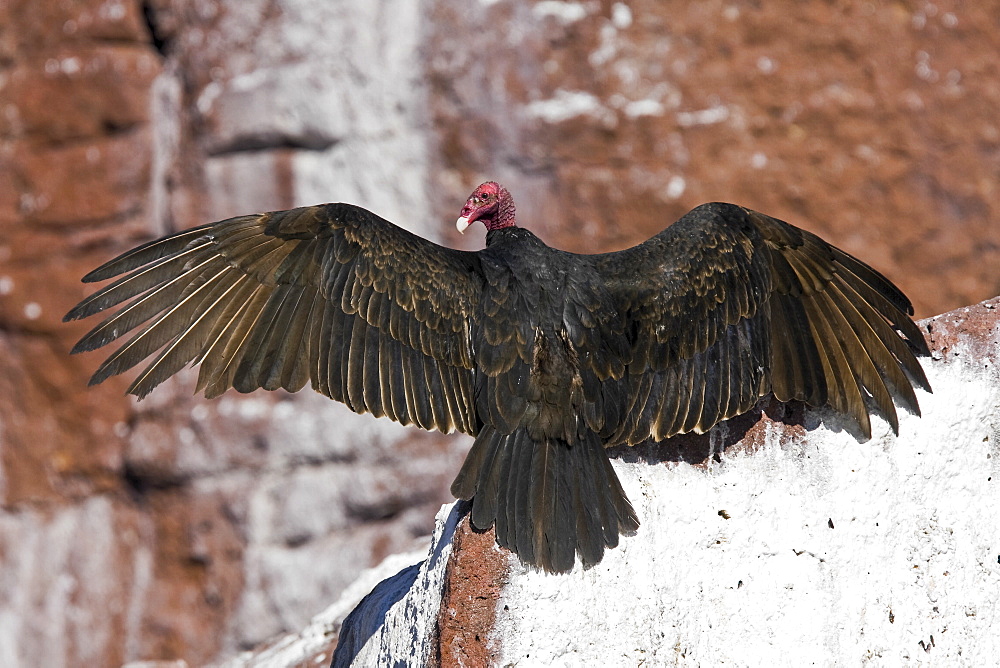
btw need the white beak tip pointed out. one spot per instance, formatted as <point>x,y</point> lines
<point>462,224</point>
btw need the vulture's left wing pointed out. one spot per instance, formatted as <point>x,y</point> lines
<point>369,313</point>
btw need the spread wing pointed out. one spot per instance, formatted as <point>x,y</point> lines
<point>333,295</point>
<point>728,304</point>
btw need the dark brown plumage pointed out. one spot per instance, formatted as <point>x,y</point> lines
<point>546,357</point>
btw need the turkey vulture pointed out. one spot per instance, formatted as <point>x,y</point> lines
<point>546,357</point>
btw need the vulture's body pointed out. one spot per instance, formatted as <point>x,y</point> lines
<point>546,357</point>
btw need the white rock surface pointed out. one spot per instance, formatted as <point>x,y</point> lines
<point>835,552</point>
<point>70,555</point>
<point>406,634</point>
<point>297,648</point>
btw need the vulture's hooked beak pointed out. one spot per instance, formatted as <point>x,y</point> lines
<point>465,217</point>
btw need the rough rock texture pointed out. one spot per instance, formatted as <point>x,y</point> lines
<point>802,546</point>
<point>178,528</point>
<point>184,529</point>
<point>469,598</point>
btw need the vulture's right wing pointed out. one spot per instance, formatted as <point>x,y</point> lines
<point>728,304</point>
<point>370,314</point>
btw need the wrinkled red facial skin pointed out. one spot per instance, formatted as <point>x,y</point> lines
<point>491,204</point>
<point>482,203</point>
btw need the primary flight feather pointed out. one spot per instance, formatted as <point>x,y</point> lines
<point>546,357</point>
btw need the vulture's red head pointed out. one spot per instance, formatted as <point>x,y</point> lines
<point>489,203</point>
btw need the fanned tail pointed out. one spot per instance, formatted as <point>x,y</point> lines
<point>548,500</point>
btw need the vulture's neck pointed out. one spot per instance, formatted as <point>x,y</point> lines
<point>505,211</point>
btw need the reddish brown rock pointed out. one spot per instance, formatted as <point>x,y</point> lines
<point>197,574</point>
<point>55,447</point>
<point>31,26</point>
<point>86,182</point>
<point>476,574</point>
<point>870,125</point>
<point>72,93</point>
<point>971,331</point>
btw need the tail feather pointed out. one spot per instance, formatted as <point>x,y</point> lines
<point>591,515</point>
<point>485,512</point>
<point>508,456</point>
<point>552,523</point>
<point>548,500</point>
<point>523,541</point>
<point>618,515</point>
